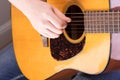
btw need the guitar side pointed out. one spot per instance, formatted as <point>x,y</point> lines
<point>32,57</point>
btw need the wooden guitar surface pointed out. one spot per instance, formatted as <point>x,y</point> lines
<point>35,60</point>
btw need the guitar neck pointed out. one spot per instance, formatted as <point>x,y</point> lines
<point>102,21</point>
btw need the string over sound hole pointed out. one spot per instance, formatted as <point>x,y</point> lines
<point>61,48</point>
<point>76,27</point>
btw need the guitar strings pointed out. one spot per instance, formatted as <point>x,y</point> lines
<point>103,21</point>
<point>95,12</point>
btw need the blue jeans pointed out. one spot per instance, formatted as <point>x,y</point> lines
<point>9,69</point>
<point>113,75</point>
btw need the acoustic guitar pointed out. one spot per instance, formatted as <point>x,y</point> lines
<point>84,45</point>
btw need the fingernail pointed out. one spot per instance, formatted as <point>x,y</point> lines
<point>68,19</point>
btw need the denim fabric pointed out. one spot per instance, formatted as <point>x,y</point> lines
<point>9,69</point>
<point>113,75</point>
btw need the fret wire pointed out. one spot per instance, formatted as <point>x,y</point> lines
<point>94,11</point>
<point>87,28</point>
<point>98,29</point>
<point>85,21</point>
<point>89,21</point>
<point>113,21</point>
<point>94,31</point>
<point>88,16</point>
<point>100,24</point>
<point>93,22</point>
<point>108,22</point>
<point>104,21</point>
<point>115,27</point>
<point>91,13</point>
<point>118,20</point>
<point>109,25</point>
<point>96,21</point>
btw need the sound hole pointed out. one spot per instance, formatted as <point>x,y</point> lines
<point>76,27</point>
<point>61,48</point>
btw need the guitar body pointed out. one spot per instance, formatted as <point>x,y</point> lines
<point>35,60</point>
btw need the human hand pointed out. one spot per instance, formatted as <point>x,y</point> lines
<point>46,19</point>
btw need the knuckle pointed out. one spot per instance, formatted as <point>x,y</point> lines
<point>45,14</point>
<point>62,25</point>
<point>44,23</point>
<point>60,32</point>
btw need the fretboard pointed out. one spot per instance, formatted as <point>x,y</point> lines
<point>102,21</point>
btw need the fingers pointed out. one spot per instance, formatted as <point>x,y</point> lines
<point>57,21</point>
<point>48,30</point>
<point>49,34</point>
<point>48,20</point>
<point>61,15</point>
<point>53,29</point>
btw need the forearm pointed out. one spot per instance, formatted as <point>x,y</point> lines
<point>24,5</point>
<point>45,18</point>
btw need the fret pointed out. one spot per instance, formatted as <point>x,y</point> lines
<point>93,18</point>
<point>118,21</point>
<point>85,21</point>
<point>112,21</point>
<point>102,21</point>
<point>96,21</point>
<point>89,22</point>
<point>108,18</point>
